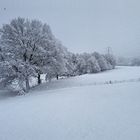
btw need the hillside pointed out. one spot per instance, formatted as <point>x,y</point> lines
<point>103,106</point>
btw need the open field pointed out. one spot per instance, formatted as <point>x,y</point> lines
<point>103,106</point>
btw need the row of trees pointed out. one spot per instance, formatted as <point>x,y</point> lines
<point>124,61</point>
<point>135,62</point>
<point>28,49</point>
<point>94,62</point>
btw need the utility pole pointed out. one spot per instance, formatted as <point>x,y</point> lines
<point>109,51</point>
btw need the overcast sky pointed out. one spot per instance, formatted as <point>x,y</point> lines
<point>84,25</point>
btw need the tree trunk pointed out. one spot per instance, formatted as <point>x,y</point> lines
<point>57,76</point>
<point>39,79</point>
<point>27,85</point>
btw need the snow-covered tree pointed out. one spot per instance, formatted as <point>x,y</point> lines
<point>81,65</point>
<point>70,63</point>
<point>110,59</point>
<point>55,64</point>
<point>103,64</point>
<point>26,41</point>
<point>93,66</point>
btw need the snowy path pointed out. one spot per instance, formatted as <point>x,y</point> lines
<point>101,112</point>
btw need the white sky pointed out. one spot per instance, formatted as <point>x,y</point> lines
<point>84,25</point>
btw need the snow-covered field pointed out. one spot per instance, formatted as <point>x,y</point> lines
<point>87,107</point>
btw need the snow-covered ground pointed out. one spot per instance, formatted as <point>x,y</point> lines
<point>119,75</point>
<point>85,107</point>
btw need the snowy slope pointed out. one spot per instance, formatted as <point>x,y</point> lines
<point>76,112</point>
<point>119,75</point>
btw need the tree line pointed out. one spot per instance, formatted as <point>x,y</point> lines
<point>28,49</point>
<point>128,61</point>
